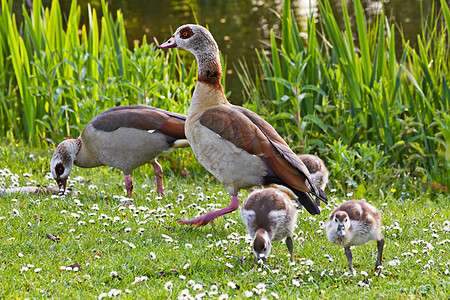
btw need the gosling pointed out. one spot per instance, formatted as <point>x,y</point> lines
<point>355,223</point>
<point>269,215</point>
<point>317,169</point>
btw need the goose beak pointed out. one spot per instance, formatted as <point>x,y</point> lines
<point>171,43</point>
<point>340,230</point>
<point>62,185</point>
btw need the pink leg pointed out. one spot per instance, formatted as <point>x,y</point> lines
<point>128,184</point>
<point>209,217</point>
<point>159,174</point>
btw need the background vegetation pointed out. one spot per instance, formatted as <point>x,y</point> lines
<point>348,88</point>
<point>56,78</point>
<point>345,95</point>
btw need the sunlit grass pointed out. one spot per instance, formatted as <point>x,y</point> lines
<point>98,243</point>
<point>102,244</point>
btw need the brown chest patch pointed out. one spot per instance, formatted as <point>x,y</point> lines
<point>212,81</point>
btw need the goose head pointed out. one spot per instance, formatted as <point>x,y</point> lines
<point>262,245</point>
<point>341,222</point>
<point>62,161</point>
<point>193,38</point>
<point>200,42</point>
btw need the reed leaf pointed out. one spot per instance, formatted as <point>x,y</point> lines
<point>64,79</point>
<point>374,97</point>
<point>446,13</point>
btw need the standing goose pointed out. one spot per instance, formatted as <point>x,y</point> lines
<point>354,223</point>
<point>123,137</point>
<point>317,169</point>
<point>269,215</point>
<point>233,143</point>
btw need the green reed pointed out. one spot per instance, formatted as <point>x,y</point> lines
<point>351,85</point>
<point>58,75</point>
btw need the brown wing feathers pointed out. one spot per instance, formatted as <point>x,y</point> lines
<point>240,131</point>
<point>275,139</point>
<point>251,133</point>
<point>141,117</point>
<point>293,161</point>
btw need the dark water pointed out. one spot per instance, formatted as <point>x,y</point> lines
<point>239,26</point>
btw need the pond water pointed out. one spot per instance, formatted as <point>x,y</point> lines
<point>239,26</point>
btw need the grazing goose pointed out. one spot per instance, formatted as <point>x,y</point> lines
<point>317,169</point>
<point>355,223</point>
<point>233,143</point>
<point>269,215</point>
<point>123,137</point>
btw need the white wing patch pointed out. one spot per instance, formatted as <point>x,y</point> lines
<point>276,215</point>
<point>248,216</point>
<point>359,208</point>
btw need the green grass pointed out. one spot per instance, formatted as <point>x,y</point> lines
<point>200,259</point>
<point>384,138</point>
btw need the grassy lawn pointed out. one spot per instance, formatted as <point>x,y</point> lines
<point>376,119</point>
<point>110,246</point>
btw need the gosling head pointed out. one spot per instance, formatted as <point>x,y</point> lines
<point>262,245</point>
<point>341,222</point>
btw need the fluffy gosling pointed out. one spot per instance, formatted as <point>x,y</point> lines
<point>317,169</point>
<point>269,215</point>
<point>355,223</point>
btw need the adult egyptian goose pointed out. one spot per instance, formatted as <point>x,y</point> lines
<point>123,137</point>
<point>317,169</point>
<point>354,223</point>
<point>233,143</point>
<point>269,215</point>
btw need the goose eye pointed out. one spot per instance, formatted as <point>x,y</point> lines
<point>186,32</point>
